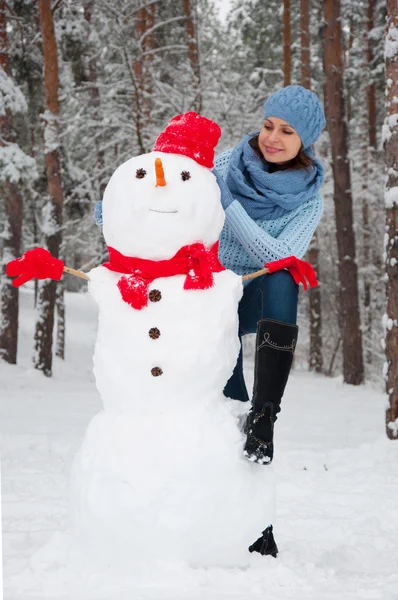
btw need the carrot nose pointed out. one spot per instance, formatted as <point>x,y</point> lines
<point>160,178</point>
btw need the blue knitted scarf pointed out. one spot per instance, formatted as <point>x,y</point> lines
<point>266,195</point>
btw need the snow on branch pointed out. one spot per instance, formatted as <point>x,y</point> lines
<point>51,131</point>
<point>391,45</point>
<point>15,165</point>
<point>393,426</point>
<point>161,24</point>
<point>11,97</point>
<point>165,48</point>
<point>391,197</point>
<point>376,33</point>
<point>390,123</point>
<point>49,224</point>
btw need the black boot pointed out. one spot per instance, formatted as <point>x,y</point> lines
<point>275,345</point>
<point>265,544</point>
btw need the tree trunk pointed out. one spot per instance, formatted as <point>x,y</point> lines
<point>305,44</point>
<point>138,77</point>
<point>11,235</point>
<point>193,55</point>
<point>95,100</point>
<point>372,86</point>
<point>366,259</point>
<point>391,199</point>
<point>353,369</point>
<point>52,221</point>
<point>347,62</point>
<point>147,49</point>
<point>142,97</point>
<point>366,156</point>
<point>60,305</point>
<point>287,53</point>
<point>315,309</point>
<point>315,312</point>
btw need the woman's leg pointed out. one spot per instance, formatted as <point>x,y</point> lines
<point>269,296</point>
<point>280,297</point>
<point>275,344</point>
<point>250,311</point>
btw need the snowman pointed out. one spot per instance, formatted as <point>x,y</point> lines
<point>160,473</point>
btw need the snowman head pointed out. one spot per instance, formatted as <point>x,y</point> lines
<point>158,202</point>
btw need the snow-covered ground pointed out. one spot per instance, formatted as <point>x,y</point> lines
<point>336,478</point>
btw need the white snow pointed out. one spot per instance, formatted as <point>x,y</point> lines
<point>391,197</point>
<point>335,476</point>
<point>50,131</point>
<point>387,322</point>
<point>391,44</point>
<point>390,123</point>
<point>223,7</point>
<point>48,224</point>
<point>393,426</point>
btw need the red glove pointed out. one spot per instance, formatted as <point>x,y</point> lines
<point>300,270</point>
<point>37,262</point>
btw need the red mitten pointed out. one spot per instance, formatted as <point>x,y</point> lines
<point>37,262</point>
<point>300,270</point>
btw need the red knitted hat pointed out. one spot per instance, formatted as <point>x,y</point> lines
<point>191,135</point>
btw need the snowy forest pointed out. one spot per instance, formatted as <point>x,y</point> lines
<point>153,470</point>
<point>86,84</point>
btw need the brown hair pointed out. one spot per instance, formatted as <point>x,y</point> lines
<point>301,161</point>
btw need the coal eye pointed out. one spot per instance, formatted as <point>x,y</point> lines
<point>185,175</point>
<point>140,173</point>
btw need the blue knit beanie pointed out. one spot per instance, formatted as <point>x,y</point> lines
<point>299,107</point>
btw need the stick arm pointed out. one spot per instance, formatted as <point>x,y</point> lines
<point>80,274</point>
<point>255,274</point>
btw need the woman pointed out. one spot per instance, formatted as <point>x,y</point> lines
<point>270,193</point>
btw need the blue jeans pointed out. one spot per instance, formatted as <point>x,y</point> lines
<point>267,297</point>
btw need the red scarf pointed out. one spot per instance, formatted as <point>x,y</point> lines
<point>194,261</point>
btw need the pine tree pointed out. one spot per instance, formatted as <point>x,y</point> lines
<point>287,42</point>
<point>353,368</point>
<point>15,168</point>
<point>315,314</point>
<point>193,53</point>
<point>52,215</point>
<point>390,134</point>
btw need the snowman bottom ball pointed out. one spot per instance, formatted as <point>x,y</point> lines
<point>175,488</point>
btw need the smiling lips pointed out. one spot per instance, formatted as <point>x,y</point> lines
<point>272,150</point>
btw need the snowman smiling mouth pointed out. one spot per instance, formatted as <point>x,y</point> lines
<point>164,211</point>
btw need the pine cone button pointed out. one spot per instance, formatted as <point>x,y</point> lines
<point>155,295</point>
<point>154,333</point>
<point>156,371</point>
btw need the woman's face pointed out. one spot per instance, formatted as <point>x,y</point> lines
<point>278,141</point>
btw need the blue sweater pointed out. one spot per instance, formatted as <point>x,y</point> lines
<point>246,245</point>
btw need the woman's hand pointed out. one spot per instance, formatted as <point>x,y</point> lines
<point>226,198</point>
<point>300,270</point>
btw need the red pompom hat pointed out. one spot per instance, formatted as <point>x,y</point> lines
<point>191,135</point>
